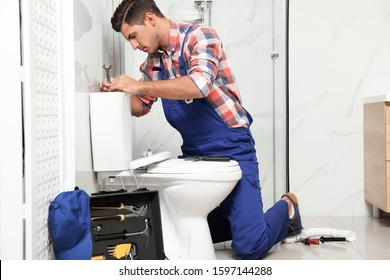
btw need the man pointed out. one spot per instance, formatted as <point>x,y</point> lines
<point>187,68</point>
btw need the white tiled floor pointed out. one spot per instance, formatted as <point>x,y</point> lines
<point>372,241</point>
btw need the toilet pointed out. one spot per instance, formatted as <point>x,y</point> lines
<point>188,188</point>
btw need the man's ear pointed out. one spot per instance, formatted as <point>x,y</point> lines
<point>151,18</point>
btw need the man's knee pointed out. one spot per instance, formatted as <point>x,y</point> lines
<point>254,248</point>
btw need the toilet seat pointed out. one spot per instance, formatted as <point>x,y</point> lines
<point>161,163</point>
<point>182,166</point>
<point>145,161</point>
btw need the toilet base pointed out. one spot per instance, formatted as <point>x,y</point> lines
<point>188,239</point>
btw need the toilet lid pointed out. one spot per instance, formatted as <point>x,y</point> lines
<point>181,166</point>
<point>145,161</point>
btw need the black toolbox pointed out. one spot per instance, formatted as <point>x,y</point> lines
<point>126,225</point>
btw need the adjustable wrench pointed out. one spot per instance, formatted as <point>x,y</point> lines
<point>139,211</point>
<point>107,67</point>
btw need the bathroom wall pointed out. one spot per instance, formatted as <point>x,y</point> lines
<point>339,54</point>
<point>95,44</point>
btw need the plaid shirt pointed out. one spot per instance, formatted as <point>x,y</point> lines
<point>206,66</point>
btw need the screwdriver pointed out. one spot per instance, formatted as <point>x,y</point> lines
<point>309,242</point>
<point>322,239</point>
<point>331,239</point>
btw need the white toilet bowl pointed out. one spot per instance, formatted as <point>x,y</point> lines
<point>188,190</point>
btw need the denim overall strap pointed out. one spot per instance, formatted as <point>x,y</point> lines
<point>182,65</point>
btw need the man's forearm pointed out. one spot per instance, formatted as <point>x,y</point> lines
<point>178,89</point>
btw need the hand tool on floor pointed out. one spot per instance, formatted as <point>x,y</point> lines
<point>331,239</point>
<point>147,231</point>
<point>308,241</point>
<point>119,217</point>
<point>329,232</point>
<point>322,239</point>
<point>107,67</point>
<point>139,211</point>
<point>124,250</point>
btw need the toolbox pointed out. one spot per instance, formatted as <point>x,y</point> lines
<point>126,225</point>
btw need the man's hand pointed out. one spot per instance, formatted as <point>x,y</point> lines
<point>105,87</point>
<point>177,89</point>
<point>123,83</point>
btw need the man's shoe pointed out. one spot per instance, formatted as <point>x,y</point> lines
<point>295,228</point>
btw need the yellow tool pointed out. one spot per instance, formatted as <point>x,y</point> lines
<point>120,251</point>
<point>98,257</point>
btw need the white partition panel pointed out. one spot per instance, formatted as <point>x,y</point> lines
<point>11,161</point>
<point>45,116</point>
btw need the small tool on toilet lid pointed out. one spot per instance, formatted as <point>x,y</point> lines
<point>208,158</point>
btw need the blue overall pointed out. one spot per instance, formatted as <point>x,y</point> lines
<point>240,216</point>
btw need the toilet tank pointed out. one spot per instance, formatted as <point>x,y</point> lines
<point>110,130</point>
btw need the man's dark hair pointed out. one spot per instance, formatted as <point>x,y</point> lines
<point>133,12</point>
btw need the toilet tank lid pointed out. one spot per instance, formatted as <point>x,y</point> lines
<point>145,161</point>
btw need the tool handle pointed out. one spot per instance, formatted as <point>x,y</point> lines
<point>313,242</point>
<point>308,241</point>
<point>121,206</point>
<point>110,236</point>
<point>119,217</point>
<point>331,239</point>
<point>98,257</point>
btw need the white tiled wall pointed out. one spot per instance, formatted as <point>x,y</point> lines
<point>339,53</point>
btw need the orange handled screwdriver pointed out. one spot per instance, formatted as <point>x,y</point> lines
<point>309,242</point>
